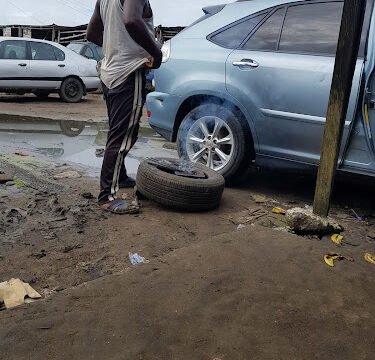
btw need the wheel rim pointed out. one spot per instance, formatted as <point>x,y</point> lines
<point>71,89</point>
<point>210,142</point>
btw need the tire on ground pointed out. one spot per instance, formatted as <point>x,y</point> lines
<point>71,90</point>
<point>242,150</point>
<point>178,192</point>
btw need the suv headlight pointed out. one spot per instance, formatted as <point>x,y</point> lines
<point>166,51</point>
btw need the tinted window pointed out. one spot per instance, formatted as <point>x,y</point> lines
<point>59,54</point>
<point>312,28</point>
<point>267,36</point>
<point>88,53</point>
<point>233,36</point>
<point>41,51</point>
<point>13,49</point>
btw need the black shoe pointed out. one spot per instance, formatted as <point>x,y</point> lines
<point>127,183</point>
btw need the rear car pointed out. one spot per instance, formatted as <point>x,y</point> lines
<point>249,82</point>
<point>43,67</point>
<point>87,49</point>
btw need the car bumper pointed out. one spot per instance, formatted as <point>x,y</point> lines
<point>91,83</point>
<point>163,108</point>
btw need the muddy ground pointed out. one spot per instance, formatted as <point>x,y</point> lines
<point>209,291</point>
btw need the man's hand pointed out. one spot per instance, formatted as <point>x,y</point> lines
<point>152,64</point>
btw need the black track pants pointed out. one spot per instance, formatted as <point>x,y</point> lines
<point>124,104</point>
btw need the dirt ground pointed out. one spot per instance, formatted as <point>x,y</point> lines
<point>210,290</point>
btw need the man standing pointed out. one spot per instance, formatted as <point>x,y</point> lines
<point>125,30</point>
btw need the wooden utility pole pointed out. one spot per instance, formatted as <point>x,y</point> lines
<point>346,58</point>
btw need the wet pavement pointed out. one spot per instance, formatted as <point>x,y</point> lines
<point>76,143</point>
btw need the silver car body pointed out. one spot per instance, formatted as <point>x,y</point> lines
<point>284,98</point>
<point>25,73</point>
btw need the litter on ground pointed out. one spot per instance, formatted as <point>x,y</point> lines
<point>136,259</point>
<point>370,258</point>
<point>331,257</point>
<point>15,293</point>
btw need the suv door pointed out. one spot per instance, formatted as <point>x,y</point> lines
<point>47,65</point>
<point>283,72</point>
<point>14,66</point>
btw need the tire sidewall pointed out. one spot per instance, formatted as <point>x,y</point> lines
<point>67,98</point>
<point>239,155</point>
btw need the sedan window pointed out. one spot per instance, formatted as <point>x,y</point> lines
<point>231,37</point>
<point>267,36</point>
<point>88,53</point>
<point>13,49</point>
<point>312,28</point>
<point>42,51</point>
<point>60,55</point>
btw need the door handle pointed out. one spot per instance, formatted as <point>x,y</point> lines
<point>246,63</point>
<point>61,65</point>
<point>22,65</point>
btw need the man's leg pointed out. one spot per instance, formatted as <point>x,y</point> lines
<point>124,109</point>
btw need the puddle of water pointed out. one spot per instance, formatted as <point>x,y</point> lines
<point>73,142</point>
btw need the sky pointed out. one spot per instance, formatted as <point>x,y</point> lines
<point>77,12</point>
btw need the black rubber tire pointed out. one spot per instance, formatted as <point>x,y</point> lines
<point>180,193</point>
<point>241,157</point>
<point>71,90</point>
<point>42,94</point>
<point>71,128</point>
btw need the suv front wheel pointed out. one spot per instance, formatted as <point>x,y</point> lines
<point>212,135</point>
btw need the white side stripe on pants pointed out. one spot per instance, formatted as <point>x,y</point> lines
<point>127,141</point>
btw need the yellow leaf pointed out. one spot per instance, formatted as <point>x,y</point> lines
<point>337,239</point>
<point>329,259</point>
<point>278,210</point>
<point>370,258</point>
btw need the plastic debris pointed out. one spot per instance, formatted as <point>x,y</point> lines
<point>331,257</point>
<point>277,210</point>
<point>359,218</point>
<point>136,259</point>
<point>15,293</point>
<point>337,239</point>
<point>241,227</point>
<point>370,258</point>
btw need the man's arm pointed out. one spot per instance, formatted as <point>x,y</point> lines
<point>95,28</point>
<point>136,27</point>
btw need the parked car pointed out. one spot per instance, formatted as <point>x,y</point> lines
<point>43,67</point>
<point>250,82</point>
<point>87,49</point>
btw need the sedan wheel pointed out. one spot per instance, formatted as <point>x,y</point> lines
<point>71,90</point>
<point>213,136</point>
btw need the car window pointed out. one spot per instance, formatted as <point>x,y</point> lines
<point>267,36</point>
<point>59,54</point>
<point>42,51</point>
<point>232,37</point>
<point>13,49</point>
<point>312,28</point>
<point>100,51</point>
<point>75,47</point>
<point>88,53</point>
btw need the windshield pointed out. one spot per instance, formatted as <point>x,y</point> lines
<point>75,47</point>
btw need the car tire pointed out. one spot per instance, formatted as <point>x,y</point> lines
<point>180,192</point>
<point>71,90</point>
<point>41,94</point>
<point>237,152</point>
<point>71,128</point>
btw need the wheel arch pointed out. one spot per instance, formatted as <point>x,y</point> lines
<point>195,100</point>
